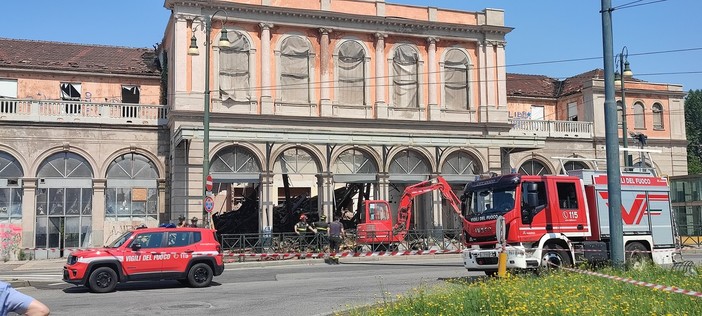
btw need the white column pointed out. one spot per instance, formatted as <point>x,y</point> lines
<point>325,102</point>
<point>98,213</point>
<point>482,75</point>
<point>380,104</point>
<point>491,78</point>
<point>433,102</point>
<point>29,211</point>
<point>501,76</point>
<point>266,96</point>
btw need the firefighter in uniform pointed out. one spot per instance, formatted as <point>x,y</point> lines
<point>322,227</point>
<point>302,229</point>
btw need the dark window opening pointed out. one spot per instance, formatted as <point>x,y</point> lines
<point>130,94</point>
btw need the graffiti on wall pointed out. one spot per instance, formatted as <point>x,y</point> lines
<point>10,241</point>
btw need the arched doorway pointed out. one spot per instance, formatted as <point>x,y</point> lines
<point>296,187</point>
<point>11,193</point>
<point>459,168</point>
<point>64,203</point>
<point>131,194</point>
<point>355,180</point>
<point>236,174</point>
<point>408,167</point>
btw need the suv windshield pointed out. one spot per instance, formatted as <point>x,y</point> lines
<point>120,240</point>
<point>496,201</point>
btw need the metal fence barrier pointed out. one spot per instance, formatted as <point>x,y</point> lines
<point>435,239</point>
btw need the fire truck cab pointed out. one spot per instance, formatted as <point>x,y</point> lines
<point>563,219</point>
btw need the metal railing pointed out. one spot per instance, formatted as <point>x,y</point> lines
<point>566,129</point>
<point>78,111</point>
<point>436,239</point>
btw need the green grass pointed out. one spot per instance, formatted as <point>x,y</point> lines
<point>554,293</point>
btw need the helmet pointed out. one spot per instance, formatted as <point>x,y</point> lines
<point>322,217</point>
<point>303,217</point>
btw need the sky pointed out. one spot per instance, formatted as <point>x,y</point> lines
<point>556,38</point>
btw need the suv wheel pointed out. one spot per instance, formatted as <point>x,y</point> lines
<point>102,280</point>
<point>200,275</point>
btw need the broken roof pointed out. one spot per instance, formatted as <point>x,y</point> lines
<point>44,55</point>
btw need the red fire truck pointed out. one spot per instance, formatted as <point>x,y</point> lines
<point>563,219</point>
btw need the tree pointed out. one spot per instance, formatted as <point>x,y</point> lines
<point>693,127</point>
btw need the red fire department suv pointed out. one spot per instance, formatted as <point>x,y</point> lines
<point>190,255</point>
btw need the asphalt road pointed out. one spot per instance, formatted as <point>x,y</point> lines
<point>310,287</point>
<point>293,287</point>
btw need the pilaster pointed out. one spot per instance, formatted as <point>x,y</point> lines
<point>325,100</point>
<point>266,88</point>
<point>29,215</point>
<point>433,110</point>
<point>381,109</point>
<point>98,213</point>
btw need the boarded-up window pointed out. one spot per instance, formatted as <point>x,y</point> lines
<point>351,73</point>
<point>70,91</point>
<point>456,80</point>
<point>639,118</point>
<point>234,69</point>
<point>620,113</point>
<point>130,94</point>
<point>657,116</point>
<point>405,80</point>
<point>295,70</point>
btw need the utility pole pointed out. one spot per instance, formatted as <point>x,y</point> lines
<point>616,229</point>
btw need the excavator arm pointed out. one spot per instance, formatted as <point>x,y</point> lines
<point>404,211</point>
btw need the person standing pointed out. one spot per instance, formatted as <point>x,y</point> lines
<point>336,231</point>
<point>12,300</point>
<point>181,222</point>
<point>193,222</point>
<point>322,228</point>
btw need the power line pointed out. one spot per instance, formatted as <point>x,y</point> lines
<point>634,4</point>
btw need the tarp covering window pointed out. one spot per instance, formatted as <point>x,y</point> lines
<point>405,81</point>
<point>234,69</point>
<point>70,91</point>
<point>639,119</point>
<point>295,70</point>
<point>130,94</point>
<point>8,88</point>
<point>456,80</point>
<point>351,73</point>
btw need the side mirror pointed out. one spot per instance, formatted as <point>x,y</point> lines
<point>136,246</point>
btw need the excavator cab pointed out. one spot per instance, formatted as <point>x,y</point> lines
<point>377,225</point>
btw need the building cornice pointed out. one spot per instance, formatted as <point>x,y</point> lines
<point>344,21</point>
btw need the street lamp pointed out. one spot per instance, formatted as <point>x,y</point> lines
<point>625,71</point>
<point>193,51</point>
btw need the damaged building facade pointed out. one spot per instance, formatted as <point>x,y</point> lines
<point>309,101</point>
<point>331,93</point>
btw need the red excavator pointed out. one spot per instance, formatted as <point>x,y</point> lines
<point>377,227</point>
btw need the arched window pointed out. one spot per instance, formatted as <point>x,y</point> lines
<point>351,73</point>
<point>132,188</point>
<point>295,70</point>
<point>639,116</point>
<point>234,68</point>
<point>620,113</point>
<point>456,80</point>
<point>574,165</point>
<point>657,116</point>
<point>405,77</point>
<point>461,163</point>
<point>533,167</point>
<point>10,188</point>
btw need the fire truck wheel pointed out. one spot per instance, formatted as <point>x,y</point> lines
<point>636,255</point>
<point>491,273</point>
<point>102,280</point>
<point>554,256</point>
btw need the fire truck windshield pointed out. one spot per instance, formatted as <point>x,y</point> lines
<point>496,201</point>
